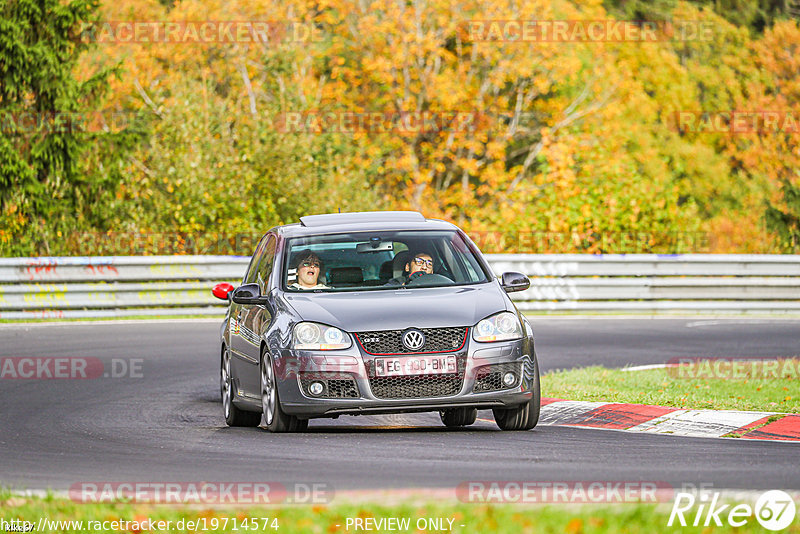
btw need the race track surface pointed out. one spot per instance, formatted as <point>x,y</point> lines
<point>167,424</point>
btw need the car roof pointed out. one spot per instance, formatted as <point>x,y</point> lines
<point>361,217</point>
<point>365,221</point>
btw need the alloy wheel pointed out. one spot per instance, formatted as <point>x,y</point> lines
<point>225,383</point>
<point>268,398</point>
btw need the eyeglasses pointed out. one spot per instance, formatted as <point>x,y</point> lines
<point>423,261</point>
<point>310,264</point>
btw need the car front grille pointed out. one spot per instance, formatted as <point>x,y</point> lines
<point>335,385</point>
<point>390,341</point>
<point>418,386</point>
<point>490,377</point>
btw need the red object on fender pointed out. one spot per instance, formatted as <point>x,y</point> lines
<point>222,290</point>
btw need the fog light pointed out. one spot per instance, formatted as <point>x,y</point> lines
<point>509,379</point>
<point>316,388</point>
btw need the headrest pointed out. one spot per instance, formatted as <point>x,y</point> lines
<point>386,271</point>
<point>399,263</point>
<point>346,275</point>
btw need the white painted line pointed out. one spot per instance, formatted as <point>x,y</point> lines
<point>40,493</point>
<point>699,423</point>
<point>646,367</point>
<point>111,321</point>
<point>696,324</point>
<point>561,412</point>
<point>398,496</point>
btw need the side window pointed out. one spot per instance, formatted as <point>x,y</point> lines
<point>250,277</point>
<point>266,264</point>
<point>473,274</point>
<point>466,264</point>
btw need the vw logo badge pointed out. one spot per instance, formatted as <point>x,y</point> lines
<point>413,339</point>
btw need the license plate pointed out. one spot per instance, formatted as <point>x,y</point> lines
<point>415,365</point>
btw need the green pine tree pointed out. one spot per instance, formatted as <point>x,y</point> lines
<point>787,223</point>
<point>47,184</point>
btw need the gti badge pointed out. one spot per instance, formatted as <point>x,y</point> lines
<point>413,339</point>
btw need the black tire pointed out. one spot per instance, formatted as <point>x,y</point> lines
<point>275,419</point>
<point>233,415</point>
<point>524,416</point>
<point>458,416</point>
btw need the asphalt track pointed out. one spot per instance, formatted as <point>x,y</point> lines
<point>167,425</point>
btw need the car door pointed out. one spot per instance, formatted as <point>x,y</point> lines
<point>254,319</point>
<point>240,360</point>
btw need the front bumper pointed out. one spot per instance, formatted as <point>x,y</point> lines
<point>478,367</point>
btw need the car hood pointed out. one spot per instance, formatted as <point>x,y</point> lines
<point>401,308</point>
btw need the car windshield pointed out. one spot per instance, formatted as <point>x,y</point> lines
<point>380,260</point>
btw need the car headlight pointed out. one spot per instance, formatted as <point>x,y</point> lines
<point>501,327</point>
<point>315,336</point>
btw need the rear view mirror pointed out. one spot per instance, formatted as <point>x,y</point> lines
<point>513,281</point>
<point>248,294</point>
<point>374,246</point>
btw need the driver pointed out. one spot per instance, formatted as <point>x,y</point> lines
<point>309,267</point>
<point>421,263</point>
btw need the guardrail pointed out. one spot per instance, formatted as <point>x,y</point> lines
<point>114,286</point>
<point>77,287</point>
<point>653,283</point>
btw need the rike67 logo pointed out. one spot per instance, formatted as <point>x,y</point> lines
<point>774,510</point>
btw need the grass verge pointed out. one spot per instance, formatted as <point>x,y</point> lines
<point>632,518</point>
<point>771,386</point>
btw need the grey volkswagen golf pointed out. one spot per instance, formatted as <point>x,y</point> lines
<point>374,313</point>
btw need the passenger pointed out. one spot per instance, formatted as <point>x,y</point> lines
<point>420,265</point>
<point>308,267</point>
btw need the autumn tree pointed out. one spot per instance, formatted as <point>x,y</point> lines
<point>567,137</point>
<point>775,152</point>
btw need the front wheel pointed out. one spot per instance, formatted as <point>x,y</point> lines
<point>524,416</point>
<point>455,417</point>
<point>274,417</point>
<point>233,415</point>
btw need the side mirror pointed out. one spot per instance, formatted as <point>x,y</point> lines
<point>248,294</point>
<point>512,281</point>
<point>222,291</point>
